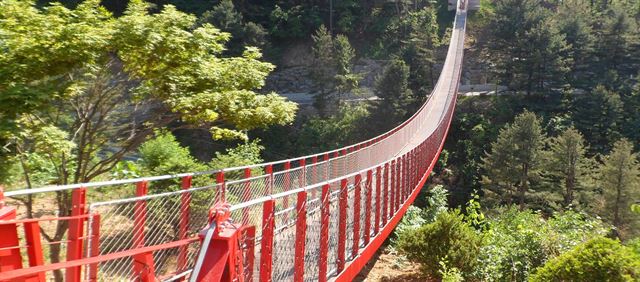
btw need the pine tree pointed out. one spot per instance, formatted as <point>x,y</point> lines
<point>567,166</point>
<point>616,36</point>
<point>515,160</point>
<point>345,80</point>
<point>619,179</point>
<point>575,23</point>
<point>599,116</point>
<point>324,69</point>
<point>528,47</point>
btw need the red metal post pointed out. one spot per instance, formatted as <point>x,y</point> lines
<point>326,167</point>
<point>269,171</point>
<point>398,184</point>
<point>287,185</point>
<point>246,195</point>
<point>301,236</point>
<point>223,186</point>
<point>266,247</point>
<point>392,187</point>
<point>376,222</point>
<point>95,247</point>
<point>11,258</point>
<point>385,196</point>
<point>314,175</point>
<point>34,247</point>
<point>356,215</point>
<point>342,224</point>
<point>185,203</point>
<point>302,180</point>
<point>249,235</point>
<point>367,208</point>
<point>324,234</point>
<point>335,172</point>
<point>143,266</point>
<point>75,233</point>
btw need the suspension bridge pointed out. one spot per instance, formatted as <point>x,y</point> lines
<point>315,218</point>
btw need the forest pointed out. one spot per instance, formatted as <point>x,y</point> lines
<point>539,179</point>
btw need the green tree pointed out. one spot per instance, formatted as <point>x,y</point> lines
<point>332,72</point>
<point>528,47</point>
<point>598,115</point>
<point>108,82</point>
<point>395,97</point>
<point>324,70</point>
<point>575,22</point>
<point>423,42</point>
<point>567,166</point>
<point>616,38</point>
<point>345,80</point>
<point>619,179</point>
<point>228,19</point>
<point>515,159</point>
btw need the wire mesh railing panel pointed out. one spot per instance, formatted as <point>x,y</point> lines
<point>312,242</point>
<point>334,221</point>
<point>149,221</point>
<point>350,219</point>
<point>284,239</point>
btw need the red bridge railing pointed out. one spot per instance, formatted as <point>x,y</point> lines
<point>318,217</point>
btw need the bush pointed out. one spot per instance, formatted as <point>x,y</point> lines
<point>600,259</point>
<point>517,242</point>
<point>449,239</point>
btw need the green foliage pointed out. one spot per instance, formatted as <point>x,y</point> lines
<point>567,167</point>
<point>519,241</point>
<point>181,68</point>
<point>619,179</point>
<point>243,154</point>
<point>332,74</point>
<point>318,134</point>
<point>528,46</point>
<point>598,115</point>
<point>392,87</point>
<point>448,239</point>
<point>295,21</point>
<point>515,160</point>
<point>600,259</point>
<point>228,19</point>
<point>450,274</point>
<point>164,155</point>
<point>436,203</point>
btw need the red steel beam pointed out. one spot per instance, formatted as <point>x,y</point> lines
<point>324,234</point>
<point>143,265</point>
<point>266,247</point>
<point>301,236</point>
<point>356,216</point>
<point>24,272</point>
<point>342,224</point>
<point>75,233</point>
<point>367,208</point>
<point>185,203</point>
<point>376,222</point>
<point>34,247</point>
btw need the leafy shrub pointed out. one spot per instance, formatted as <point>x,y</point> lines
<point>517,242</point>
<point>416,217</point>
<point>600,259</point>
<point>449,239</point>
<point>513,246</point>
<point>634,244</point>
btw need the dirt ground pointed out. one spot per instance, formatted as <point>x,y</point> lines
<point>388,266</point>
